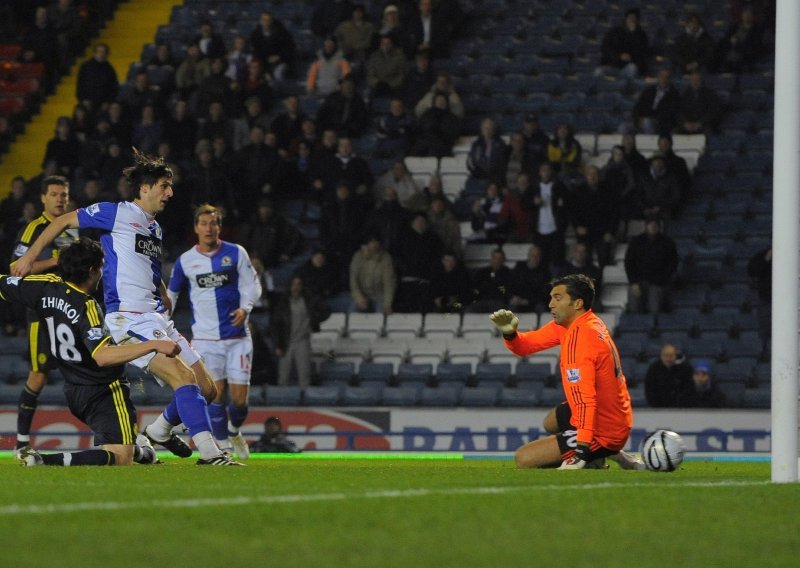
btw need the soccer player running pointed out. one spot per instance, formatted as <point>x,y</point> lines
<point>54,196</point>
<point>223,287</point>
<point>596,419</point>
<point>136,301</point>
<point>96,391</point>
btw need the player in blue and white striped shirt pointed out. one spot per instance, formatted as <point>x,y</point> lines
<point>137,304</point>
<point>223,287</point>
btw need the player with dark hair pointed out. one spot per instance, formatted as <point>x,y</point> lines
<point>596,419</point>
<point>223,288</point>
<point>137,303</point>
<point>96,391</point>
<point>54,196</point>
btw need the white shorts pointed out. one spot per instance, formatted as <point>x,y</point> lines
<point>230,359</point>
<point>133,327</point>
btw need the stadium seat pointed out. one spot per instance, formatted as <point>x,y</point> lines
<point>400,396</point>
<point>447,395</point>
<point>392,351</point>
<point>412,373</point>
<point>9,394</point>
<point>430,350</point>
<point>336,372</point>
<point>532,374</point>
<point>365,395</point>
<point>489,372</point>
<point>453,373</point>
<point>372,373</point>
<point>512,397</point>
<point>479,396</point>
<point>364,326</point>
<point>441,325</point>
<point>334,327</point>
<point>734,392</point>
<point>322,395</point>
<point>283,396</point>
<point>760,397</point>
<point>477,326</point>
<point>632,323</point>
<point>403,325</point>
<point>497,352</point>
<point>466,350</point>
<point>351,350</point>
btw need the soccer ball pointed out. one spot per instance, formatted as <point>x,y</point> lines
<point>663,451</point>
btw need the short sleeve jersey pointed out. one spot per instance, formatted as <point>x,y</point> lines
<point>131,241</point>
<point>31,232</point>
<point>219,283</point>
<point>73,320</point>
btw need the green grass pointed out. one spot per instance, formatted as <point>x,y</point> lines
<point>367,512</point>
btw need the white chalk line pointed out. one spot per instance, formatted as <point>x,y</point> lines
<point>31,509</point>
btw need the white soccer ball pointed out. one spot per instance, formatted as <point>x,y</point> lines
<point>663,451</point>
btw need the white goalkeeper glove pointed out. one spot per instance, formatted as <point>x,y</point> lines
<point>577,461</point>
<point>506,322</point>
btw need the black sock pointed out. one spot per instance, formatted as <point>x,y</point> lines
<point>28,400</point>
<point>86,457</point>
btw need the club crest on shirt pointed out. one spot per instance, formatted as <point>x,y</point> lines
<point>95,333</point>
<point>13,280</point>
<point>92,209</point>
<point>226,261</point>
<point>157,333</point>
<point>573,375</point>
<point>20,250</point>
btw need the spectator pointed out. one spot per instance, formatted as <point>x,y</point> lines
<point>344,111</point>
<point>693,49</point>
<point>676,167</point>
<point>256,168</point>
<point>215,124</point>
<point>328,15</point>
<point>513,216</point>
<point>394,131</point>
<point>700,107</point>
<point>530,283</point>
<point>257,84</point>
<point>287,125</point>
<point>269,237</point>
<point>388,220</point>
<point>38,45</point>
<point>594,212</point>
<point>667,377</point>
<point>390,24</point>
<point>564,151</point>
<point>328,69</point>
<point>296,315</point>
<point>112,164</point>
<point>450,284</point>
<point>119,126</point>
<point>349,168</point>
<point>445,225</point>
<point>180,130</point>
<point>398,178</point>
<point>273,45</point>
<point>211,44</point>
<point>520,161</point>
<point>427,31</point>
<point>438,130</point>
<point>253,116</point>
<point>297,172</point>
<point>759,269</point>
<point>386,68</point>
<point>318,275</point>
<point>216,88</point>
<point>209,182</point>
<point>661,193</point>
<point>442,85</point>
<point>273,440</point>
<point>421,201</point>
<point>135,96</point>
<point>419,80</point>
<point>341,228</point>
<point>418,252</point>
<point>162,58</point>
<point>488,155</point>
<point>191,72</point>
<point>651,263</point>
<point>492,285</point>
<point>580,262</point>
<point>237,58</point>
<point>97,81</point>
<point>741,47</point>
<point>625,48</point>
<point>536,141</point>
<point>147,131</point>
<point>487,224</point>
<point>68,28</point>
<point>656,109</point>
<point>372,278</point>
<point>547,206</point>
<point>634,158</point>
<point>356,36</point>
<point>64,148</point>
<point>703,392</point>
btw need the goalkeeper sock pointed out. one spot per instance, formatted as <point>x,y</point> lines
<point>86,457</point>
<point>219,419</point>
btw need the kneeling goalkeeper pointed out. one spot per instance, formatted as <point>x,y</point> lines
<point>595,420</point>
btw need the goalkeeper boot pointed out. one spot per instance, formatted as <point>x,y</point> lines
<point>240,446</point>
<point>628,461</point>
<point>221,459</point>
<point>174,444</point>
<point>28,456</point>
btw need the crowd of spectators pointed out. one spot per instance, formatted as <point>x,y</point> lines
<point>239,133</point>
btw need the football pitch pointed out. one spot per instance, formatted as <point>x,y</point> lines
<point>448,511</point>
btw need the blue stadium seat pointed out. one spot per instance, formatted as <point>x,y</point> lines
<point>440,396</point>
<point>400,396</point>
<point>9,394</point>
<point>734,392</point>
<point>283,396</point>
<point>630,346</point>
<point>760,397</point>
<point>479,396</point>
<point>550,396</point>
<point>635,323</point>
<point>414,373</point>
<point>365,395</point>
<point>453,373</point>
<point>321,396</point>
<point>512,397</point>
<point>532,374</point>
<point>375,373</point>
<point>498,372</point>
<point>331,372</point>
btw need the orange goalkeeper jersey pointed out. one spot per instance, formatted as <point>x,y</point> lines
<point>591,375</point>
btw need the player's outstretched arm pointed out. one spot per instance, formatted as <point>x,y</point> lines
<point>24,264</point>
<point>107,355</point>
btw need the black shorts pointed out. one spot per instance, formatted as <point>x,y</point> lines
<point>107,409</point>
<point>39,356</point>
<point>567,436</point>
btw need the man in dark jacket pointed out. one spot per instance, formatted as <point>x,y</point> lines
<point>667,377</point>
<point>97,80</point>
<point>702,392</point>
<point>651,262</point>
<point>295,317</point>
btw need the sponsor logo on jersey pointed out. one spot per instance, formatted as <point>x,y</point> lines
<point>95,334</point>
<point>213,279</point>
<point>13,280</point>
<point>148,246</point>
<point>226,261</point>
<point>573,375</point>
<point>92,209</point>
<point>20,250</point>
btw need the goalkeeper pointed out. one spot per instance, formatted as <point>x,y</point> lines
<point>595,420</point>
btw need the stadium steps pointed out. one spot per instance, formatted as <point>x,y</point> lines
<point>135,22</point>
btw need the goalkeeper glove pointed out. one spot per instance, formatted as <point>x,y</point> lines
<point>506,322</point>
<point>579,460</point>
